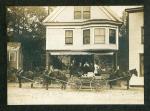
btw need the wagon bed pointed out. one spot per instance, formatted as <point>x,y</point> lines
<point>94,83</point>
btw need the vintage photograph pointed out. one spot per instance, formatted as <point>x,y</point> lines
<point>64,55</point>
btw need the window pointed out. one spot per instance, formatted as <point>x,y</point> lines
<point>69,37</point>
<point>86,36</point>
<point>141,65</point>
<point>142,35</point>
<point>99,34</point>
<point>112,36</point>
<point>82,12</point>
<point>77,12</point>
<point>86,12</point>
<point>12,56</point>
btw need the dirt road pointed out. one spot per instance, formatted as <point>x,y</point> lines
<point>27,96</point>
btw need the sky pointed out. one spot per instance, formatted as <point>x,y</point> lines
<point>119,9</point>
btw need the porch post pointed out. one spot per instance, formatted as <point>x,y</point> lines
<point>47,60</point>
<point>115,60</point>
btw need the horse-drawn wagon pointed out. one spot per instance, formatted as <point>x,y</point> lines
<point>103,81</point>
<point>78,82</point>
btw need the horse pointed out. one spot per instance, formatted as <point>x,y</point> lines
<point>55,75</point>
<point>11,74</point>
<point>119,75</point>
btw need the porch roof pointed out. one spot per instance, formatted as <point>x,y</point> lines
<point>87,52</point>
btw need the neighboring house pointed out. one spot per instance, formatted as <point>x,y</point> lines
<point>82,33</point>
<point>136,43</point>
<point>14,55</point>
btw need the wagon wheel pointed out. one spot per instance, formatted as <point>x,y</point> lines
<point>38,80</point>
<point>97,84</point>
<point>76,84</point>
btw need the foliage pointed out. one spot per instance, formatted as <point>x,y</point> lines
<point>123,44</point>
<point>24,24</point>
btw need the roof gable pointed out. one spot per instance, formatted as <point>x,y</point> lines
<point>66,14</point>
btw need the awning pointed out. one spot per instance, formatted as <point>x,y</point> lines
<point>70,53</point>
<point>79,53</point>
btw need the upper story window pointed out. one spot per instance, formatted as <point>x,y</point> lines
<point>82,12</point>
<point>99,35</point>
<point>86,12</point>
<point>77,12</point>
<point>142,35</point>
<point>12,56</point>
<point>112,36</point>
<point>86,36</point>
<point>69,37</point>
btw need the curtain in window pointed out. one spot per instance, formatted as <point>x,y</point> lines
<point>99,34</point>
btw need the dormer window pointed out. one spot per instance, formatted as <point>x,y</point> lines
<point>82,12</point>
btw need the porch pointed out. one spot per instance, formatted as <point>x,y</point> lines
<point>107,60</point>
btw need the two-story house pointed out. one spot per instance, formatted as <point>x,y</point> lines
<point>136,43</point>
<point>82,33</point>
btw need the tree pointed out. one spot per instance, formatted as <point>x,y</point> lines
<point>24,24</point>
<point>123,44</point>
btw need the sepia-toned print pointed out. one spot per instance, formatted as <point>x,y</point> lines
<point>75,55</point>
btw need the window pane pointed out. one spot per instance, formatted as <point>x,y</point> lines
<point>142,35</point>
<point>68,33</point>
<point>77,15</point>
<point>99,31</point>
<point>86,8</point>
<point>86,15</point>
<point>99,39</point>
<point>12,56</point>
<point>69,37</point>
<point>69,40</point>
<point>86,12</point>
<point>77,8</point>
<point>141,65</point>
<point>77,12</point>
<point>86,36</point>
<point>99,35</point>
<point>112,36</point>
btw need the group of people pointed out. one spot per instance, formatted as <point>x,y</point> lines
<point>80,69</point>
